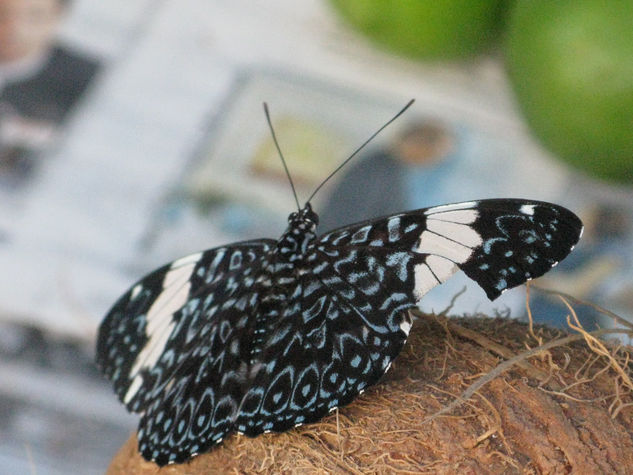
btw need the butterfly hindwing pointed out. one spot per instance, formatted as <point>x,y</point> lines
<point>328,346</point>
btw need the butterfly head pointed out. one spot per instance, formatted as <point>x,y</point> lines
<point>300,234</point>
<point>304,218</point>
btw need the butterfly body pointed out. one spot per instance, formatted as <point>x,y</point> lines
<point>265,335</point>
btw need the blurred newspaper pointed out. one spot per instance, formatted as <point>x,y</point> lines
<point>167,152</point>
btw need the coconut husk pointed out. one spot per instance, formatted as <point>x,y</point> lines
<point>468,395</point>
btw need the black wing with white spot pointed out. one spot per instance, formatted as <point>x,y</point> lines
<point>498,243</point>
<point>174,345</point>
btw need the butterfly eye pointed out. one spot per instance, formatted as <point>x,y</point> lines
<point>309,216</point>
<point>312,217</point>
<point>292,217</point>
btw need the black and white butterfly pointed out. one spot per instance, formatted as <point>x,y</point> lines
<point>266,335</point>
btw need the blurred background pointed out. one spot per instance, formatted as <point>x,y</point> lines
<point>132,133</point>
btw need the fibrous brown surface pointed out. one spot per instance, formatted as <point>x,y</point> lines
<point>565,410</point>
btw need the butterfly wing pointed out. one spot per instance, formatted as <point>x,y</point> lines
<point>344,323</point>
<point>325,349</point>
<point>174,347</point>
<point>498,243</point>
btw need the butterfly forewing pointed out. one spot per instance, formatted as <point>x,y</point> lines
<point>520,241</point>
<point>179,332</point>
<point>499,243</point>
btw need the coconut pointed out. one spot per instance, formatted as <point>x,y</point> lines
<point>565,407</point>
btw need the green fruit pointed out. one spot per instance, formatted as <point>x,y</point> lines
<point>571,65</point>
<point>437,29</point>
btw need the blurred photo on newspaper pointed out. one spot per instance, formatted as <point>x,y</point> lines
<point>42,80</point>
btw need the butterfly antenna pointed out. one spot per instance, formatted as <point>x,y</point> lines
<point>281,155</point>
<point>360,148</point>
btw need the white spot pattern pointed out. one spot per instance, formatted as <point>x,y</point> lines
<point>160,324</point>
<point>405,326</point>
<point>431,243</point>
<point>432,272</point>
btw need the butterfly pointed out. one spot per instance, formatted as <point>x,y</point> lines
<point>265,335</point>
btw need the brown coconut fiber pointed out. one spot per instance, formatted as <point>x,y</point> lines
<point>468,396</point>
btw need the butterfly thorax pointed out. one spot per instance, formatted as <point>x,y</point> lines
<point>286,259</point>
<point>298,237</point>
